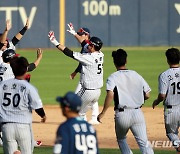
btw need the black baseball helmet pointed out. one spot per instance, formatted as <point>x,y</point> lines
<point>8,55</point>
<point>96,42</point>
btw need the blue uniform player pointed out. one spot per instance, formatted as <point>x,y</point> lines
<point>74,136</point>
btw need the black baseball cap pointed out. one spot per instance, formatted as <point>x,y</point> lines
<point>83,30</point>
<point>72,100</point>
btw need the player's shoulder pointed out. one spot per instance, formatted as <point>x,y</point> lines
<point>29,85</point>
<point>124,71</point>
<point>101,53</point>
<point>165,73</point>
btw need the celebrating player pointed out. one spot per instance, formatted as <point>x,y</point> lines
<point>74,135</point>
<point>128,89</point>
<point>7,44</point>
<point>169,90</point>
<point>92,70</point>
<point>7,73</point>
<point>83,35</point>
<point>17,100</point>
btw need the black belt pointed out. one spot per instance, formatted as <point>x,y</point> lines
<point>89,89</point>
<point>122,109</point>
<point>169,106</point>
<point>3,123</point>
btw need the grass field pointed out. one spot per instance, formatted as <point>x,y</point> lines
<point>49,150</point>
<point>52,75</point>
<point>51,78</point>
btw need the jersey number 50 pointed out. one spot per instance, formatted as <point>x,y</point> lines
<point>7,99</point>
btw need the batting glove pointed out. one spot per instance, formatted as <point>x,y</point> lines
<point>52,38</point>
<point>71,29</point>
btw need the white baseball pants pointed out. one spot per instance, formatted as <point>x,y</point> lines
<point>132,119</point>
<point>14,135</point>
<point>89,97</point>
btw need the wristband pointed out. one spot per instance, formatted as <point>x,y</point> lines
<point>23,31</point>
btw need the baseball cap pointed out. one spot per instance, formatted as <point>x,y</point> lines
<point>72,100</point>
<point>83,30</point>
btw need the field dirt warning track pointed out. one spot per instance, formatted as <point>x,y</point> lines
<point>46,132</point>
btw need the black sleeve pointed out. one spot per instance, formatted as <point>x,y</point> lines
<point>78,69</point>
<point>40,112</point>
<point>68,52</point>
<point>83,43</point>
<point>31,67</point>
<point>22,32</point>
<point>15,41</point>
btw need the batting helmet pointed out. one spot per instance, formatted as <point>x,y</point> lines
<point>96,42</point>
<point>8,55</point>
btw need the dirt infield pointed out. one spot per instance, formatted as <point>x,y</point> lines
<point>105,131</point>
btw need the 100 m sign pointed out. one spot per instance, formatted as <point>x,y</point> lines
<point>100,8</point>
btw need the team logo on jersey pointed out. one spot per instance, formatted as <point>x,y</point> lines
<point>22,88</point>
<point>14,86</point>
<point>2,70</point>
<point>177,75</point>
<point>170,77</point>
<point>5,87</point>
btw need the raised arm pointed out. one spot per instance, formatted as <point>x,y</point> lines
<point>33,65</point>
<point>73,32</point>
<point>3,37</point>
<point>19,35</point>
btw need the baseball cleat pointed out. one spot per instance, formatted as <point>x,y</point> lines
<point>94,122</point>
<point>37,143</point>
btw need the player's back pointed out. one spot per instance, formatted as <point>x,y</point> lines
<point>130,86</point>
<point>78,137</point>
<point>15,101</point>
<point>170,85</point>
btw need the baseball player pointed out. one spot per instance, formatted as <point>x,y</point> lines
<point>169,93</point>
<point>91,77</point>
<point>84,34</point>
<point>74,136</point>
<point>5,68</point>
<point>128,89</point>
<point>7,73</point>
<point>5,43</point>
<point>17,100</point>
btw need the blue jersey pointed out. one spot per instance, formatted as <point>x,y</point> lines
<point>76,136</point>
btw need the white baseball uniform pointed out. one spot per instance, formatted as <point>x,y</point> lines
<point>5,71</point>
<point>129,88</point>
<point>169,84</point>
<point>95,106</point>
<point>91,78</point>
<point>17,100</point>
